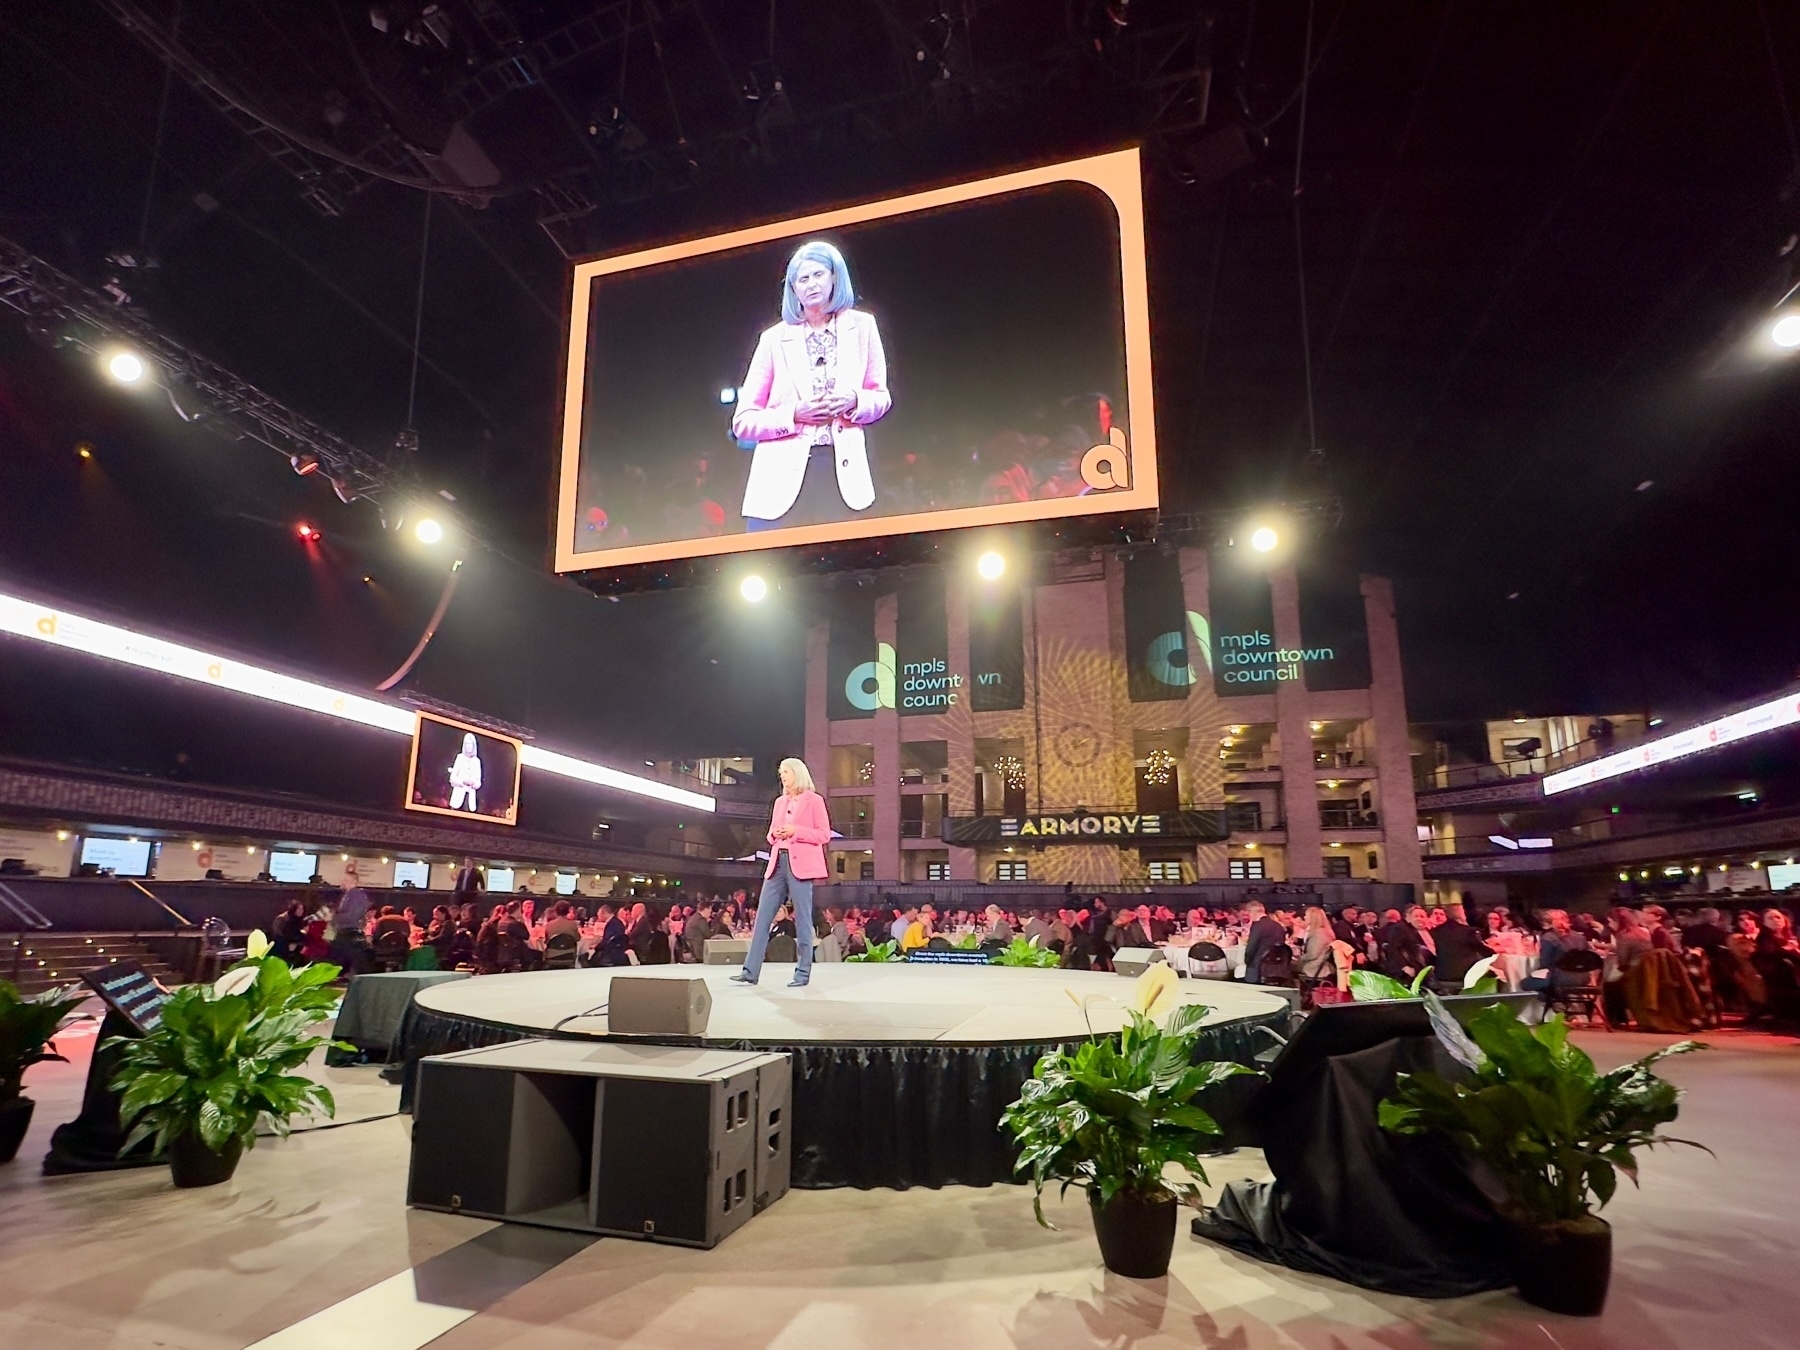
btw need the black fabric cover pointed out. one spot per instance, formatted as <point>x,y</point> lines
<point>1404,1215</point>
<point>872,1114</point>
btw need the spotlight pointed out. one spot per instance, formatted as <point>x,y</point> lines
<point>307,532</point>
<point>428,531</point>
<point>345,493</point>
<point>1785,331</point>
<point>990,566</point>
<point>84,451</point>
<point>754,589</point>
<point>125,367</point>
<point>304,464</point>
<point>727,394</point>
<point>1263,539</point>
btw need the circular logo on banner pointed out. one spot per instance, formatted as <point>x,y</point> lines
<point>203,858</point>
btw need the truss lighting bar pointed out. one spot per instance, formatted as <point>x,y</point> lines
<point>75,632</point>
<point>1770,716</point>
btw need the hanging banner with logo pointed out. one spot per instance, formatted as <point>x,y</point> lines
<point>1245,656</point>
<point>1334,634</point>
<point>924,682</point>
<point>996,650</point>
<point>853,670</point>
<point>1162,661</point>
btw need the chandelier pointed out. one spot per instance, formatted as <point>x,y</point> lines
<point>866,771</point>
<point>1011,770</point>
<point>1159,767</point>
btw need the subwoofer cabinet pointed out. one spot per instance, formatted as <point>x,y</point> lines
<point>659,1142</point>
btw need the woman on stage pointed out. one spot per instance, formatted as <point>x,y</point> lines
<point>798,833</point>
<point>817,379</point>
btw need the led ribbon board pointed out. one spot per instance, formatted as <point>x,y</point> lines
<point>1737,726</point>
<point>74,632</point>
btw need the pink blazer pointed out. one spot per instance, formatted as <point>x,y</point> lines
<point>778,381</point>
<point>812,830</point>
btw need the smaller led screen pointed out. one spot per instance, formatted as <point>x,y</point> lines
<point>297,868</point>
<point>499,879</point>
<point>412,873</point>
<point>566,883</point>
<point>1783,875</point>
<point>460,770</point>
<point>121,857</point>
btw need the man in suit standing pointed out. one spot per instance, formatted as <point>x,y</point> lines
<point>1264,936</point>
<point>1458,947</point>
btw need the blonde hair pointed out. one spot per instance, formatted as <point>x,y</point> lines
<point>802,777</point>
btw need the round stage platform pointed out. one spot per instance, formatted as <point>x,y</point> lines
<point>901,1070</point>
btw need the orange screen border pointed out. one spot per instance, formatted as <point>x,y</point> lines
<point>412,770</point>
<point>1116,174</point>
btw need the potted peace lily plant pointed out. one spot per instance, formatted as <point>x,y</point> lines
<point>1113,1114</point>
<point>221,1062</point>
<point>27,1024</point>
<point>1556,1133</point>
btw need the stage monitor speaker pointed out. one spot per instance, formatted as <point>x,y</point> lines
<point>724,951</point>
<point>642,1005</point>
<point>1136,960</point>
<point>656,1142</point>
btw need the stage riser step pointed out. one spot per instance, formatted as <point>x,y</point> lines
<point>50,960</point>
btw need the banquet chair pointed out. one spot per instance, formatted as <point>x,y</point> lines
<point>389,951</point>
<point>1584,998</point>
<point>559,951</point>
<point>509,953</point>
<point>783,950</point>
<point>1206,961</point>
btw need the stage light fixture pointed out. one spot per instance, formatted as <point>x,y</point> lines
<point>991,566</point>
<point>727,395</point>
<point>754,589</point>
<point>1263,539</point>
<point>428,531</point>
<point>84,451</point>
<point>125,367</point>
<point>304,464</point>
<point>307,532</point>
<point>1785,331</point>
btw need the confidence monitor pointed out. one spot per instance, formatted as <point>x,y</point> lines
<point>971,355</point>
<point>463,770</point>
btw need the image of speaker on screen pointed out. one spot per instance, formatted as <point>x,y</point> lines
<point>818,378</point>
<point>465,777</point>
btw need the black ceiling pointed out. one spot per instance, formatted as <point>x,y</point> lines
<point>1538,242</point>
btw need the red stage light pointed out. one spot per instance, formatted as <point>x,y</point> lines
<point>308,533</point>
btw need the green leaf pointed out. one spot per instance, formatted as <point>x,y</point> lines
<point>1371,986</point>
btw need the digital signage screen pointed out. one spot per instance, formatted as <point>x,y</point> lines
<point>121,857</point>
<point>462,770</point>
<point>972,355</point>
<point>408,872</point>
<point>294,868</point>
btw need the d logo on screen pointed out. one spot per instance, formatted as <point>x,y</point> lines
<point>1107,467</point>
<point>871,685</point>
<point>1169,659</point>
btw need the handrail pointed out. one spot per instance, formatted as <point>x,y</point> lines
<point>28,914</point>
<point>166,908</point>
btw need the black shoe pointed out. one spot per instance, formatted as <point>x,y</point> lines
<point>741,978</point>
<point>796,983</point>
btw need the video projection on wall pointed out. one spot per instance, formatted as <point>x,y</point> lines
<point>974,355</point>
<point>460,770</point>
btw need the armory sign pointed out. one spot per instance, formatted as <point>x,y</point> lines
<point>1089,827</point>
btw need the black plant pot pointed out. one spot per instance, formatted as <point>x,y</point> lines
<point>1564,1267</point>
<point>1137,1236</point>
<point>15,1119</point>
<point>192,1163</point>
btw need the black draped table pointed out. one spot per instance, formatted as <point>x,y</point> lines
<point>901,1071</point>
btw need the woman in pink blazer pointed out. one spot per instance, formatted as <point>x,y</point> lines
<point>798,832</point>
<point>817,379</point>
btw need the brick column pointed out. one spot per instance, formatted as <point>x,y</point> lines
<point>1393,747</point>
<point>884,732</point>
<point>1299,784</point>
<point>959,723</point>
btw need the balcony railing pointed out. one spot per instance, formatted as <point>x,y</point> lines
<point>1338,819</point>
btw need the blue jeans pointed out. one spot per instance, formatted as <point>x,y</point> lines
<point>783,885</point>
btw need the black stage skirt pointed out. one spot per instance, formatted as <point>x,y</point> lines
<point>876,1114</point>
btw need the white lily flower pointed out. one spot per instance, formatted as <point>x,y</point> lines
<point>1478,971</point>
<point>257,945</point>
<point>235,981</point>
<point>1156,989</point>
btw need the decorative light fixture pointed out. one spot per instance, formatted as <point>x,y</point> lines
<point>1159,767</point>
<point>866,771</point>
<point>1011,770</point>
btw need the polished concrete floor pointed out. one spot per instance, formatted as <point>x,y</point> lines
<point>311,1245</point>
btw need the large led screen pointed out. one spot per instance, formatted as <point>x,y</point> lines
<point>460,770</point>
<point>973,355</point>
